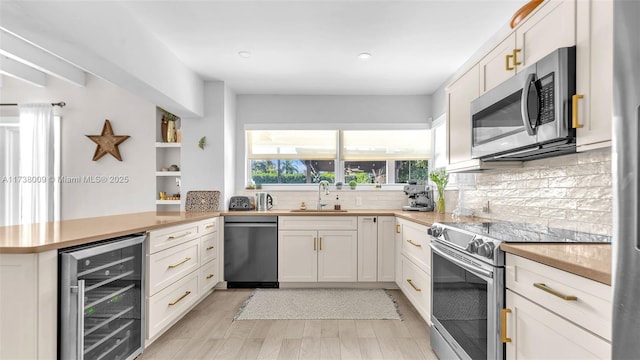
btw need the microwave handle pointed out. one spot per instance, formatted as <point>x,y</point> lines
<point>524,101</point>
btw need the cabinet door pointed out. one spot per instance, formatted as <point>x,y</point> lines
<point>297,256</point>
<point>594,73</point>
<point>537,333</point>
<point>367,248</point>
<point>552,26</point>
<point>460,94</point>
<point>386,248</point>
<point>495,67</point>
<point>397,245</point>
<point>338,256</point>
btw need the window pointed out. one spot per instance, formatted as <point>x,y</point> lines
<point>365,156</point>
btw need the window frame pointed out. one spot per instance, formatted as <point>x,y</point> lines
<point>339,162</point>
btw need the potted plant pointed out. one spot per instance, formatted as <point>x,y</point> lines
<point>441,179</point>
<point>352,184</point>
<point>339,185</point>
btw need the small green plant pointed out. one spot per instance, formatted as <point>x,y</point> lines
<point>352,184</point>
<point>202,142</point>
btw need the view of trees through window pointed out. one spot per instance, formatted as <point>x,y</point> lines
<point>313,171</point>
<point>292,171</point>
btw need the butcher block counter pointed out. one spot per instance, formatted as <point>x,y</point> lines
<point>35,238</point>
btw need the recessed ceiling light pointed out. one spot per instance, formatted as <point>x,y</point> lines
<point>244,54</point>
<point>364,56</point>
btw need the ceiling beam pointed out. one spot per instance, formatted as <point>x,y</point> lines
<point>22,72</point>
<point>19,50</point>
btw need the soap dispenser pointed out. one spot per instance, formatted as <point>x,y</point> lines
<point>336,206</point>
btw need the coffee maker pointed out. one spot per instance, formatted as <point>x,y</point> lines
<point>421,198</point>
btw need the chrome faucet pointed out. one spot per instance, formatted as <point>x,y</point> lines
<point>322,185</point>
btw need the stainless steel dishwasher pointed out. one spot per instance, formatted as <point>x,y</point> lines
<point>251,251</point>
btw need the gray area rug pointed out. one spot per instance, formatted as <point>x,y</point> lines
<point>319,304</point>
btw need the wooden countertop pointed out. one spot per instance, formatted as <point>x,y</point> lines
<point>34,238</point>
<point>421,217</point>
<point>592,261</point>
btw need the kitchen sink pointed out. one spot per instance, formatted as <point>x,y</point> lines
<point>318,211</point>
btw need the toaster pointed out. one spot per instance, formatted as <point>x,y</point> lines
<point>242,203</point>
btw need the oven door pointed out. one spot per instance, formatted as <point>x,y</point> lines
<point>466,300</point>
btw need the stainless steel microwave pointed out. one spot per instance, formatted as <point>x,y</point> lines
<point>529,115</point>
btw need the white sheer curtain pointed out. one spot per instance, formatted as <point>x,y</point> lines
<point>38,164</point>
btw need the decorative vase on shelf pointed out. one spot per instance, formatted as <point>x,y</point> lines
<point>171,131</point>
<point>163,128</point>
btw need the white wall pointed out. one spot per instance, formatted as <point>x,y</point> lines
<point>323,110</point>
<point>211,168</point>
<point>85,113</point>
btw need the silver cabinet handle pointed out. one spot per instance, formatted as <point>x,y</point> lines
<point>80,330</point>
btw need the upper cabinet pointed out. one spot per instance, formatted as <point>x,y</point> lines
<point>592,105</point>
<point>586,24</point>
<point>551,26</point>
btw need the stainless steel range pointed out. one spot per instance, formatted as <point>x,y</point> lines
<point>467,282</point>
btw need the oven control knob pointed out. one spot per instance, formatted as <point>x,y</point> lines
<point>435,231</point>
<point>474,245</point>
<point>486,250</point>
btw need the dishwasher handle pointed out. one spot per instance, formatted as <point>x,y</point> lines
<point>250,225</point>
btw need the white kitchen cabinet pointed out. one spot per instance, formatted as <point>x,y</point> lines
<point>551,313</point>
<point>337,256</point>
<point>538,333</point>
<point>317,254</point>
<point>181,269</point>
<point>376,253</point>
<point>367,248</point>
<point>549,27</point>
<point>459,97</point>
<point>497,66</point>
<point>386,248</point>
<point>594,74</point>
<point>413,267</point>
<point>298,256</point>
<point>28,305</point>
<point>397,245</point>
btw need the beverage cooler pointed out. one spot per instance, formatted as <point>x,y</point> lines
<point>101,312</point>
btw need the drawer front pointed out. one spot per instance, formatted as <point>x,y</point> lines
<point>208,226</point>
<point>319,222</point>
<point>208,277</point>
<point>416,285</point>
<point>167,266</point>
<point>592,308</point>
<point>171,303</point>
<point>162,239</point>
<point>208,247</point>
<point>415,245</point>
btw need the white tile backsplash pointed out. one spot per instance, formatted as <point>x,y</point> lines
<point>571,192</point>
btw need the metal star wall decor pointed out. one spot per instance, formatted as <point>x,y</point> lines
<point>107,142</point>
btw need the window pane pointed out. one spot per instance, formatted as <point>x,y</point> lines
<point>406,170</point>
<point>412,144</point>
<point>291,144</point>
<point>365,172</point>
<point>284,171</point>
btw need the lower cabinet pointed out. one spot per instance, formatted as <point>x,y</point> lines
<point>376,256</point>
<point>413,265</point>
<point>537,333</point>
<point>311,256</point>
<point>551,313</point>
<point>182,268</point>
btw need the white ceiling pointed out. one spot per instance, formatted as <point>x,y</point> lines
<point>311,47</point>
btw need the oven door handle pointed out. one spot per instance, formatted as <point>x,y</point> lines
<point>462,264</point>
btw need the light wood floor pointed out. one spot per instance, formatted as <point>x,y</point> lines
<point>209,332</point>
